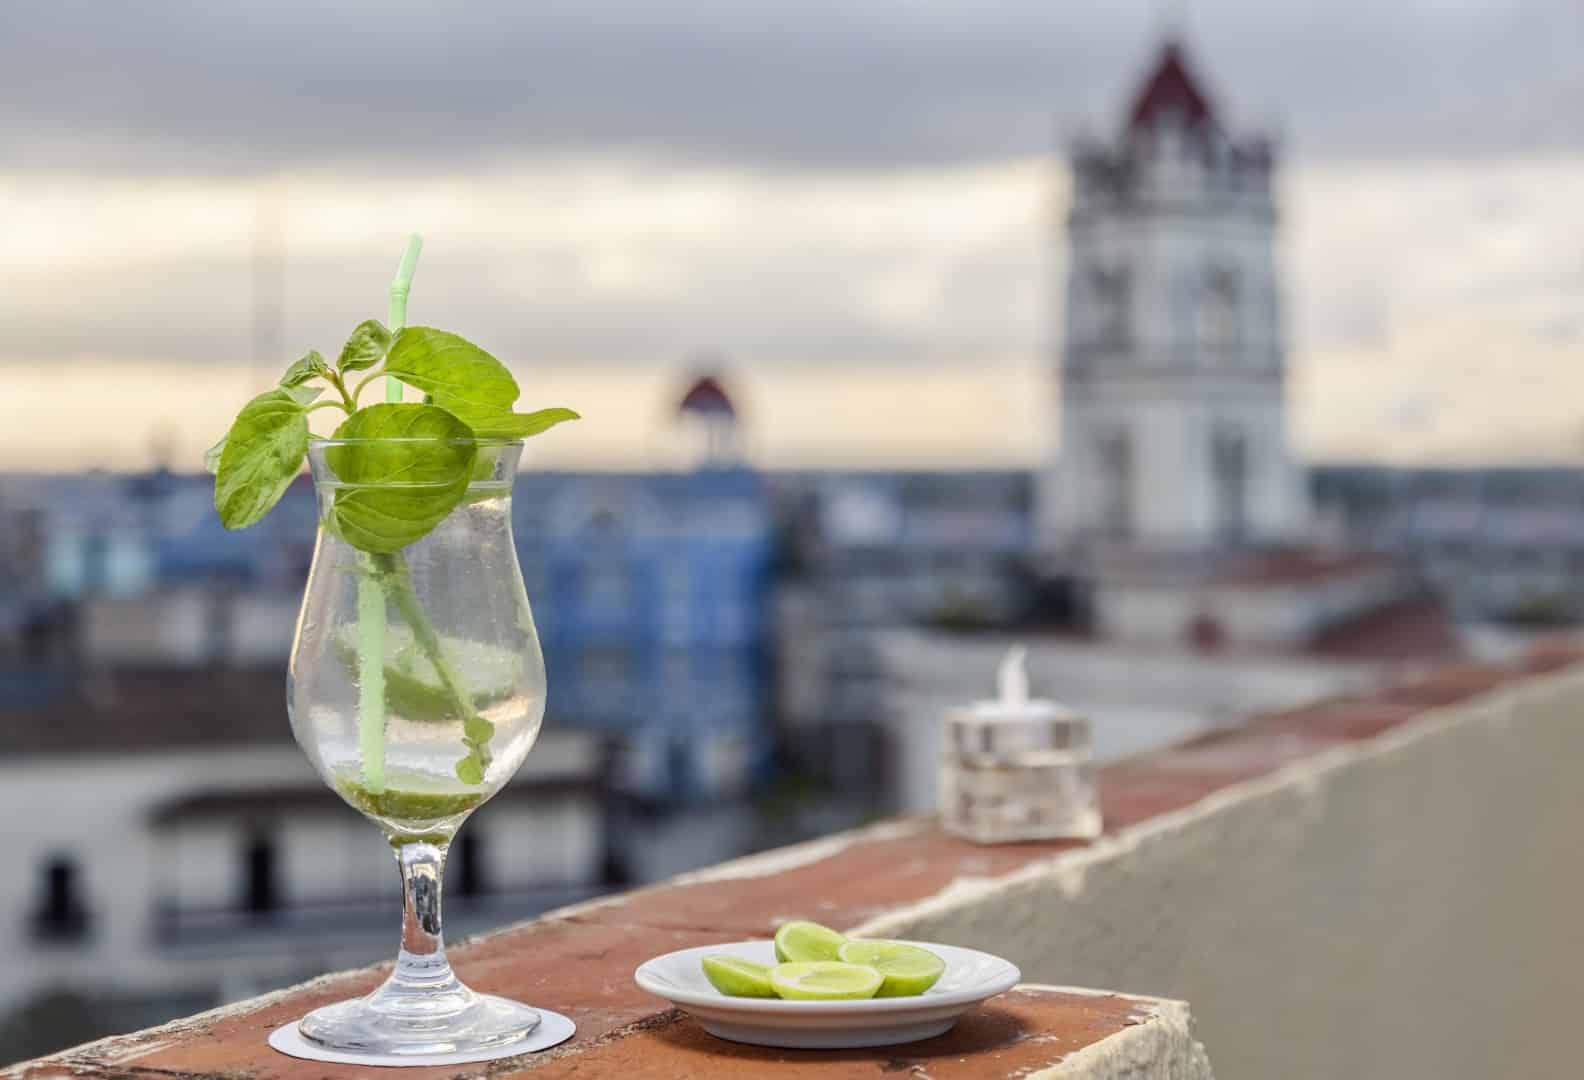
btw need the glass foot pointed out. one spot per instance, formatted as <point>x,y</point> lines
<point>457,1021</point>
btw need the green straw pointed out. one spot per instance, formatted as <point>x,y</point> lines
<point>371,592</point>
<point>371,681</point>
<point>398,303</point>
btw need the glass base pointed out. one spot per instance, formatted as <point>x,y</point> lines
<point>455,1021</point>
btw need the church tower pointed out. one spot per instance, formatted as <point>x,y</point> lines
<point>1173,438</point>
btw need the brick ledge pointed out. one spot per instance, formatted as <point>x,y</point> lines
<point>580,960</point>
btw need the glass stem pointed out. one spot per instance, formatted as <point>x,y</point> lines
<point>421,964</point>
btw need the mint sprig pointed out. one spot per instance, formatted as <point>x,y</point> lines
<point>402,469</point>
<point>471,396</point>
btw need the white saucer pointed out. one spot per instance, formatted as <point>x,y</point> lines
<point>971,977</point>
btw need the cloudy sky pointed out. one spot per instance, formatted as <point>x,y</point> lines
<point>847,199</point>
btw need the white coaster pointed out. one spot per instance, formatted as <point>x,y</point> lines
<point>553,1030</point>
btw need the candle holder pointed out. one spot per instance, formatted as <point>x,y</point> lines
<point>1018,769</point>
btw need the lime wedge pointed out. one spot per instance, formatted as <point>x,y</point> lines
<point>907,970</point>
<point>738,978</point>
<point>824,980</point>
<point>806,941</point>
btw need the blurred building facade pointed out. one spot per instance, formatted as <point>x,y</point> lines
<point>171,844</point>
<point>1172,362</point>
<point>1502,545</point>
<point>651,592</point>
<point>190,856</point>
<point>1175,504</point>
<point>652,596</point>
<point>1171,533</point>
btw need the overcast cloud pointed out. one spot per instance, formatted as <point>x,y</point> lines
<point>192,84</point>
<point>829,192</point>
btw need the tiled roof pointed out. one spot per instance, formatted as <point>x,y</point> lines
<point>1418,628</point>
<point>150,710</point>
<point>1293,566</point>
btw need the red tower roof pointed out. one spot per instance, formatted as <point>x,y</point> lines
<point>707,396</point>
<point>1171,89</point>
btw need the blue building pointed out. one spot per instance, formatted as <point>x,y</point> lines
<point>651,592</point>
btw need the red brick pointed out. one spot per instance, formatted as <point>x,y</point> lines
<point>1012,1035</point>
<point>1343,721</point>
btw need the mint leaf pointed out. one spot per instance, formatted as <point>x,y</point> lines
<point>412,689</point>
<point>468,382</point>
<point>456,373</point>
<point>211,457</point>
<point>495,424</point>
<point>310,365</point>
<point>470,770</point>
<point>366,347</point>
<point>303,395</point>
<point>397,489</point>
<point>260,456</point>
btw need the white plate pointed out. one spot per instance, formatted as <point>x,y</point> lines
<point>971,977</point>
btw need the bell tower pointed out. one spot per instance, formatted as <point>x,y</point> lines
<point>1173,426</point>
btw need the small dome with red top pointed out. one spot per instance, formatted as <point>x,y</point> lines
<point>708,398</point>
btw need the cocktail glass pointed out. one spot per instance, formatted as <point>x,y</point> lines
<point>416,688</point>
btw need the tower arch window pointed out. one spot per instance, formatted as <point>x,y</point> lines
<point>1220,311</point>
<point>1111,292</point>
<point>1229,467</point>
<point>1114,454</point>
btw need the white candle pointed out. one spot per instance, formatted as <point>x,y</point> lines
<point>1017,767</point>
<point>1012,677</point>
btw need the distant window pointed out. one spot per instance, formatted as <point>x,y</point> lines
<point>605,672</point>
<point>260,875</point>
<point>605,665</point>
<point>61,914</point>
<point>1229,465</point>
<point>96,563</point>
<point>472,859</point>
<point>677,583</point>
<point>1115,453</point>
<point>1111,291</point>
<point>676,601</point>
<point>607,590</point>
<point>1219,310</point>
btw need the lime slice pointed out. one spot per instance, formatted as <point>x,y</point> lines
<point>824,980</point>
<point>806,941</point>
<point>738,978</point>
<point>907,969</point>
